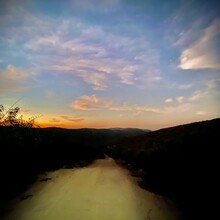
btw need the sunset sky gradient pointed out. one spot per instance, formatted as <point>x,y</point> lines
<point>111,63</point>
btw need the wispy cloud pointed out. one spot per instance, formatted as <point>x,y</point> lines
<point>180,99</point>
<point>169,100</point>
<point>15,74</point>
<point>58,120</point>
<point>192,103</point>
<point>178,105</point>
<point>13,79</point>
<point>55,120</point>
<point>97,61</point>
<point>94,102</point>
<point>211,90</point>
<point>97,80</point>
<point>185,86</point>
<point>197,95</point>
<point>69,46</point>
<point>201,113</point>
<point>72,118</point>
<point>91,103</point>
<point>203,53</point>
<point>179,108</point>
<point>186,36</point>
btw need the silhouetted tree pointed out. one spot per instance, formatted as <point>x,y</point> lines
<point>11,118</point>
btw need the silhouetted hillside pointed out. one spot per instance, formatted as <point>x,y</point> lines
<point>180,162</point>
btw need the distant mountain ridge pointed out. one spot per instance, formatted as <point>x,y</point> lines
<point>105,129</point>
<point>121,129</point>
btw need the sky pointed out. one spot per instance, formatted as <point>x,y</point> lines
<point>111,63</point>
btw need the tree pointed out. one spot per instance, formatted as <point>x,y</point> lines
<point>11,118</point>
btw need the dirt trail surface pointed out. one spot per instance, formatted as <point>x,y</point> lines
<point>102,191</point>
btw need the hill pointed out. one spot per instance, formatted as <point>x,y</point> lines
<point>180,162</point>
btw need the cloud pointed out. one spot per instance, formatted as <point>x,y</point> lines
<point>204,52</point>
<point>55,120</point>
<point>178,105</point>
<point>14,79</point>
<point>185,86</point>
<point>135,108</point>
<point>127,74</point>
<point>92,53</point>
<point>97,80</point>
<point>98,57</point>
<point>97,60</point>
<point>211,90</point>
<point>201,113</point>
<point>90,103</point>
<point>67,118</point>
<point>197,95</point>
<point>14,74</point>
<point>213,84</point>
<point>73,118</point>
<point>180,99</point>
<point>179,108</point>
<point>185,37</point>
<point>168,100</point>
<point>205,98</point>
<point>94,102</point>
